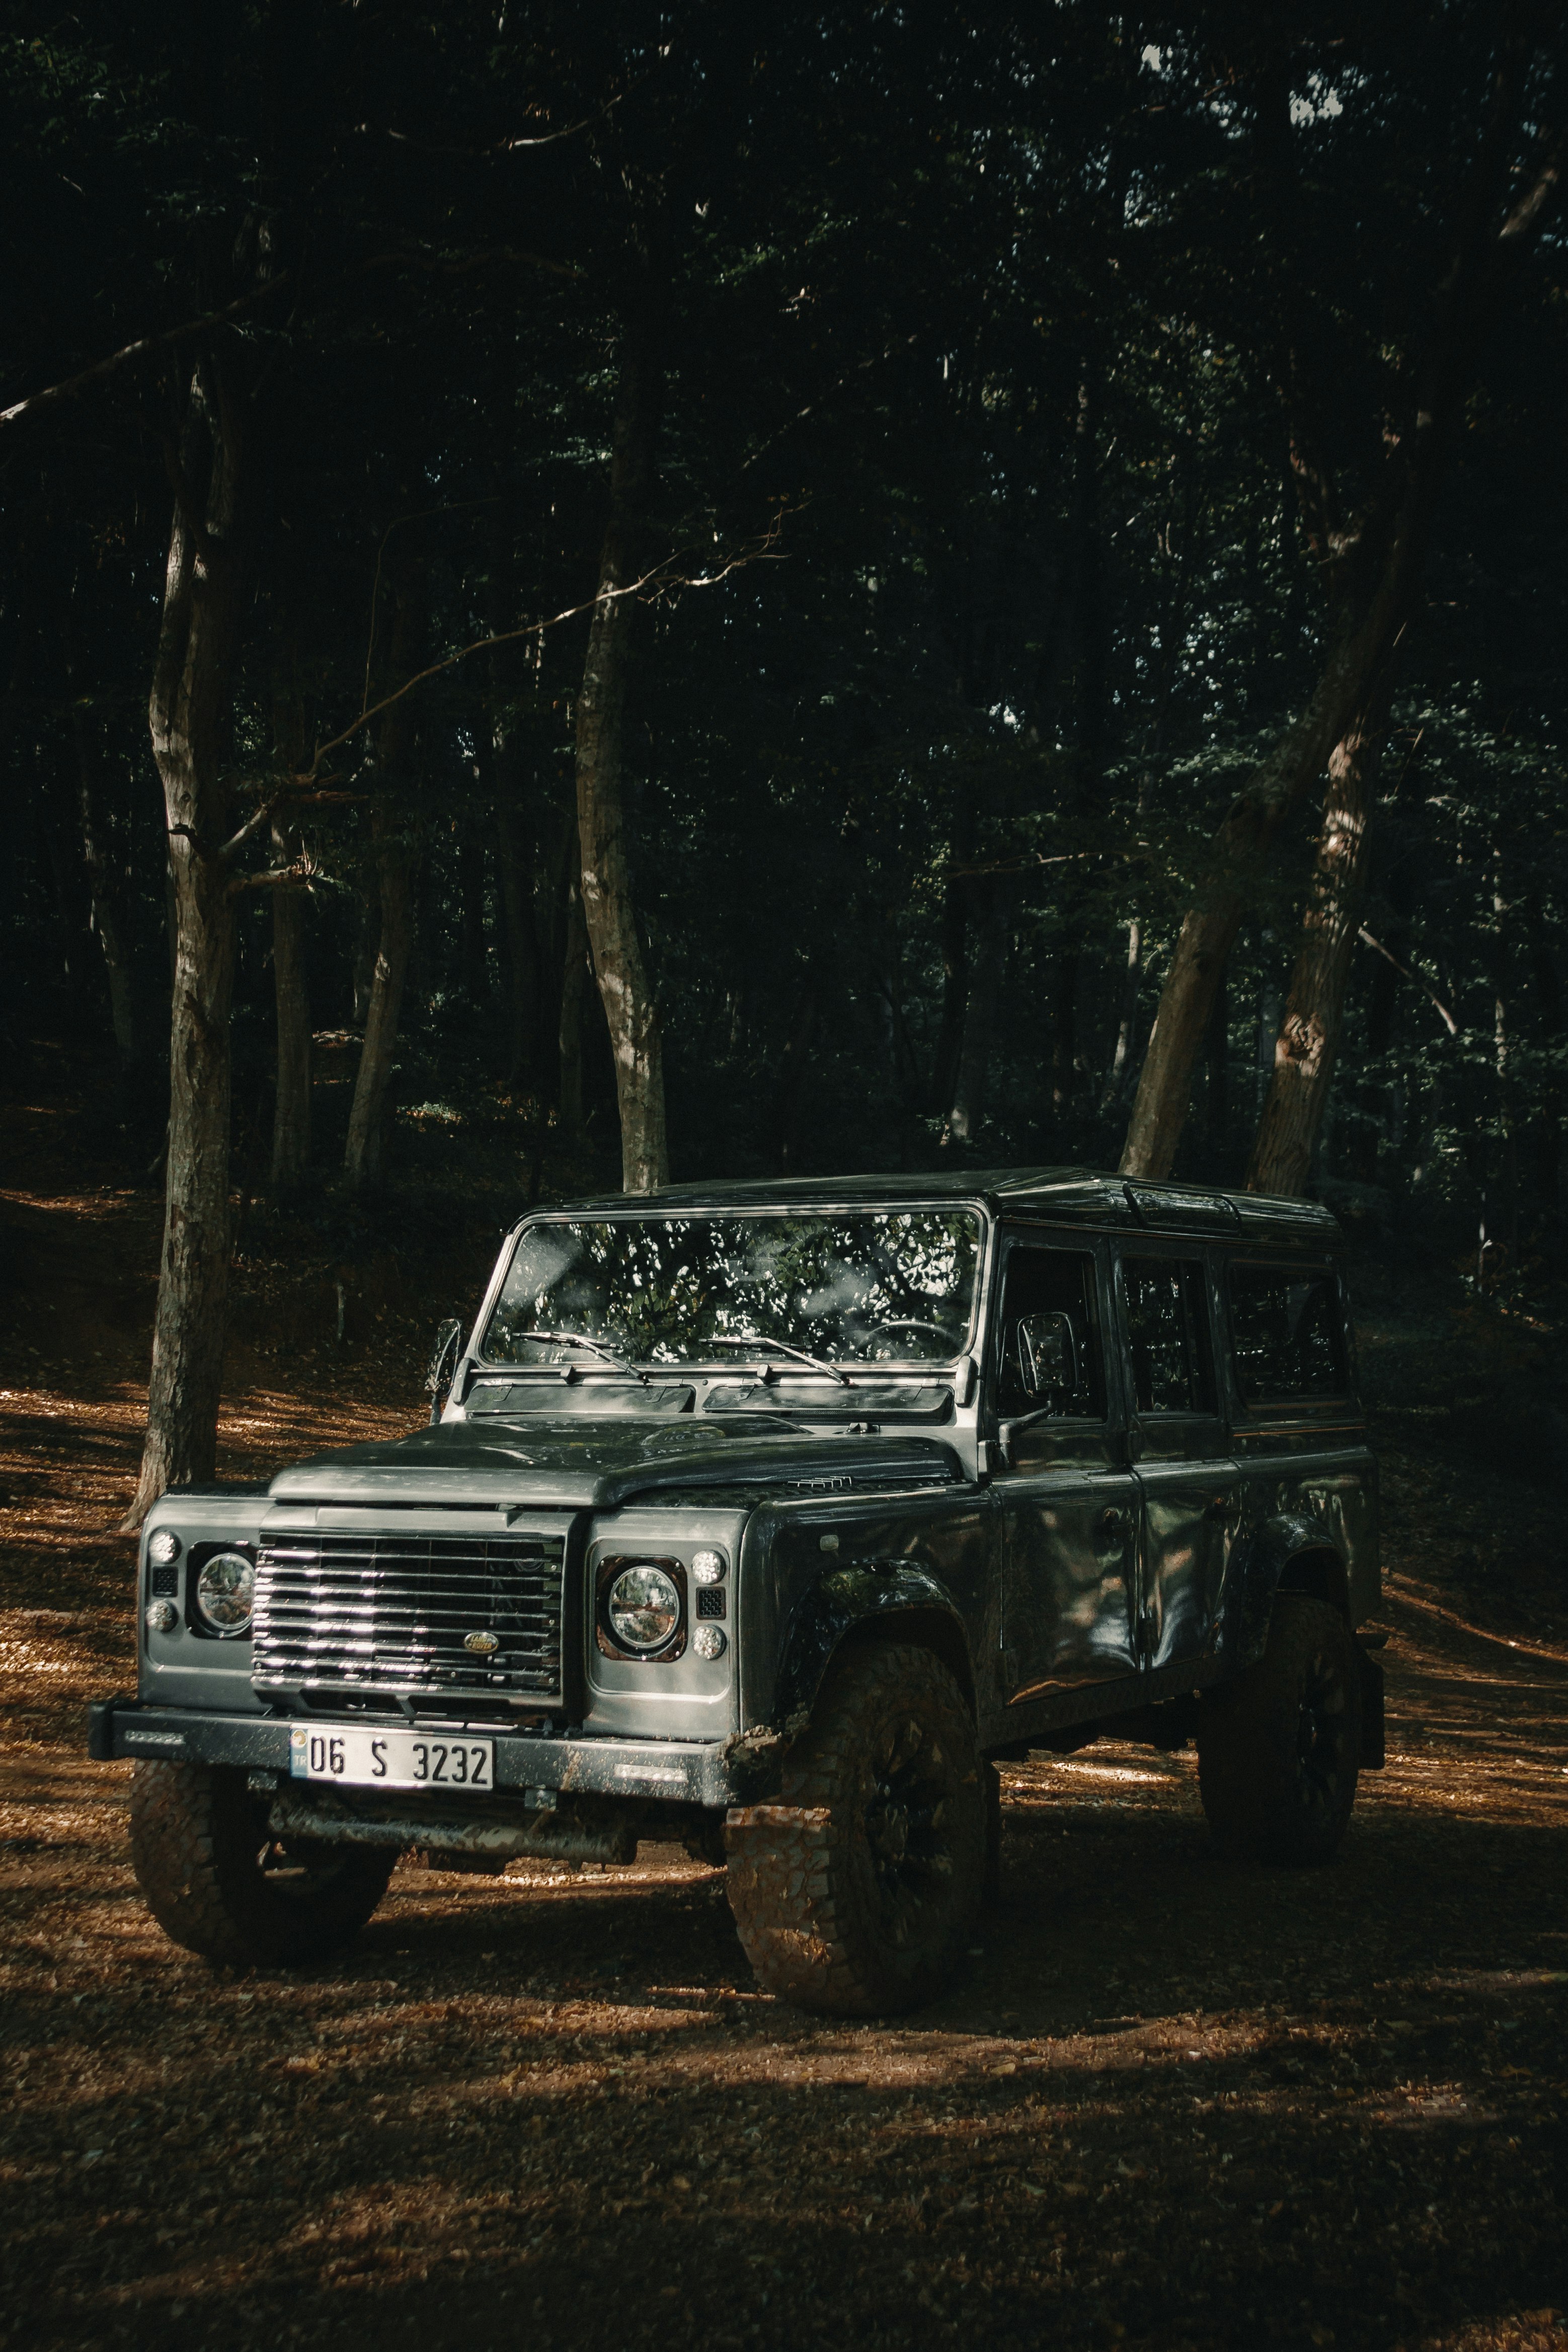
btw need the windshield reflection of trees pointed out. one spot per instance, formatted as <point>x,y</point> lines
<point>665,1289</point>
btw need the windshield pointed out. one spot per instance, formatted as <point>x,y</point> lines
<point>863,1287</point>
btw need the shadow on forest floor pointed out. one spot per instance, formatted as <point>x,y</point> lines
<point>1169,2104</point>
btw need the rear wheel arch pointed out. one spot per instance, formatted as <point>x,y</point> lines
<point>1283,1555</point>
<point>1319,1573</point>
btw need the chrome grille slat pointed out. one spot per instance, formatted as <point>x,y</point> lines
<point>391,1612</point>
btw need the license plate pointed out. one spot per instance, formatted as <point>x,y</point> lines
<point>390,1759</point>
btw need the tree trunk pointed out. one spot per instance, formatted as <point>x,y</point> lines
<point>576,989</point>
<point>1309,1033</point>
<point>395,855</point>
<point>1270,1001</point>
<point>367,930</point>
<point>1240,847</point>
<point>197,635</point>
<point>72,910</point>
<point>364,1157</point>
<point>1065,1071</point>
<point>954,944</point>
<point>980,1018</point>
<point>290,984</point>
<point>636,1039</point>
<point>1131,980</point>
<point>1376,1115</point>
<point>473,956</point>
<point>1218,1113</point>
<point>1372,564</point>
<point>514,860</point>
<point>291,1105</point>
<point>793,1070</point>
<point>104,899</point>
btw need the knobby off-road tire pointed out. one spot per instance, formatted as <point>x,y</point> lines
<point>856,1893</point>
<point>219,1882</point>
<point>1278,1750</point>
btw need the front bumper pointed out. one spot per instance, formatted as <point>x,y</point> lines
<point>682,1772</point>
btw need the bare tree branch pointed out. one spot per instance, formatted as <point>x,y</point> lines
<point>68,389</point>
<point>660,580</point>
<point>1027,865</point>
<point>510,146</point>
<point>21,409</point>
<point>1419,978</point>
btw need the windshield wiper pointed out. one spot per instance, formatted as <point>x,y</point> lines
<point>784,1348</point>
<point>581,1339</point>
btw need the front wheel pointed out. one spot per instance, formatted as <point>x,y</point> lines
<point>219,1880</point>
<point>856,1893</point>
<point>1280,1749</point>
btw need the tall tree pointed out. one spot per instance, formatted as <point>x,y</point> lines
<point>1297,1092</point>
<point>1370,554</point>
<point>620,966</point>
<point>203,595</point>
<point>394,854</point>
<point>290,979</point>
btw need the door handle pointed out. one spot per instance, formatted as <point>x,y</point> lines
<point>1222,1511</point>
<point>1112,1520</point>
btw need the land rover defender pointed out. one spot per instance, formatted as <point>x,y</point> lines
<point>770,1518</point>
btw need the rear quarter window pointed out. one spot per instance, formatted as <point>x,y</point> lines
<point>1285,1333</point>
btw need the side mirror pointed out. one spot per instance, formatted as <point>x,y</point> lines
<point>442,1363</point>
<point>1047,1354</point>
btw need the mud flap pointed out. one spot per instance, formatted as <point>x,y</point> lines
<point>1371,1757</point>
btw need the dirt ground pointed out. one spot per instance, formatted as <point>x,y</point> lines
<point>1169,2104</point>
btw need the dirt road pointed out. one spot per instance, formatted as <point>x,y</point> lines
<point>1170,2104</point>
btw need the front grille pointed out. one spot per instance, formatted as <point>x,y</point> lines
<point>350,1614</point>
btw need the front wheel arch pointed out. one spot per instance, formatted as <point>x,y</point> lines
<point>868,1601</point>
<point>936,1630</point>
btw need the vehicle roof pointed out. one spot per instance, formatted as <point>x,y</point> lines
<point>1079,1196</point>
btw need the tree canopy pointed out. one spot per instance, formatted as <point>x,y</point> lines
<point>1029,451</point>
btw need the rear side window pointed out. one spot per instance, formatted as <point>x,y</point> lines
<point>1284,1324</point>
<point>1168,1335</point>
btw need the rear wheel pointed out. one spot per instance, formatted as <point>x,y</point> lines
<point>856,1893</point>
<point>219,1882</point>
<point>1280,1749</point>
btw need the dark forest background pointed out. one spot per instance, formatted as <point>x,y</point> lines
<point>935,538</point>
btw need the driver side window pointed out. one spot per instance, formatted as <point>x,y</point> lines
<point>1050,1360</point>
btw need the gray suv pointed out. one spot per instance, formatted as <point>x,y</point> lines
<point>769,1518</point>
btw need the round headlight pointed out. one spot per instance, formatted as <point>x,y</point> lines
<point>226,1588</point>
<point>643,1608</point>
<point>163,1547</point>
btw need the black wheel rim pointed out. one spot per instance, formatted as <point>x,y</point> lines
<point>905,1829</point>
<point>1323,1734</point>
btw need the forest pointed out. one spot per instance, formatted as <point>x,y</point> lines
<point>627,595</point>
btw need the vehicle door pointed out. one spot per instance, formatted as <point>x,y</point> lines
<point>1189,1486</point>
<point>1069,1503</point>
<point>1299,1436</point>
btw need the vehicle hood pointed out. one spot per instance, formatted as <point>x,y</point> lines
<point>577,1465</point>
